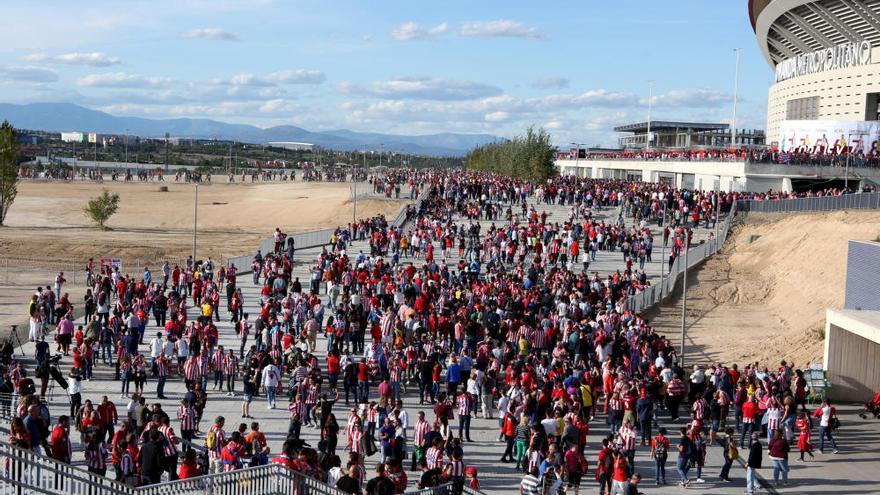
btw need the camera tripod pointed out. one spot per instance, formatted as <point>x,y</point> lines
<point>16,342</point>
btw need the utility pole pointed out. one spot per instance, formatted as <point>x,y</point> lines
<point>684,292</point>
<point>650,102</point>
<point>735,95</point>
<point>195,222</point>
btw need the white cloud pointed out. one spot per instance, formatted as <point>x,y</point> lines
<point>553,124</point>
<point>124,80</point>
<point>211,34</point>
<point>296,76</point>
<point>496,116</point>
<point>278,106</point>
<point>411,31</point>
<point>692,98</point>
<point>551,82</point>
<point>502,28</point>
<point>93,59</point>
<point>422,88</point>
<point>27,74</point>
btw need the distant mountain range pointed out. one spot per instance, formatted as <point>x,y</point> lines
<point>58,117</point>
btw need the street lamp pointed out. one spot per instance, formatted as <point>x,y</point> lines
<point>577,158</point>
<point>195,222</point>
<point>126,147</point>
<point>735,94</point>
<point>650,102</point>
<point>684,289</point>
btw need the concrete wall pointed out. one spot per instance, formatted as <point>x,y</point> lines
<point>862,274</point>
<point>852,354</point>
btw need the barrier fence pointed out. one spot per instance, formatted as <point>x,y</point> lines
<point>24,472</point>
<point>698,253</point>
<point>825,203</point>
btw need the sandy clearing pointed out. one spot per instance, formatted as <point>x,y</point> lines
<point>765,300</point>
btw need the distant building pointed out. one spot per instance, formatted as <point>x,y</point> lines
<point>666,135</point>
<point>292,145</point>
<point>73,137</point>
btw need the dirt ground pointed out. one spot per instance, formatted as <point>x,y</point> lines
<point>47,219</point>
<point>764,297</point>
<point>47,230</point>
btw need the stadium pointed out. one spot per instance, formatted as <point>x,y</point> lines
<point>827,83</point>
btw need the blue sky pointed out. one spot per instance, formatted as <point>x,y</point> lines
<point>576,68</point>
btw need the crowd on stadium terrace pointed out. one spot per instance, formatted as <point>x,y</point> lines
<point>811,157</point>
<point>505,323</point>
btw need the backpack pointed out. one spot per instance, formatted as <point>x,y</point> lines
<point>732,452</point>
<point>660,449</point>
<point>211,440</point>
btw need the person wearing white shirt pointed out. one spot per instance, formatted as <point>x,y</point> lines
<point>74,389</point>
<point>156,348</point>
<point>271,380</point>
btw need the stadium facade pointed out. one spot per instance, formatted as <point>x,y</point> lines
<point>826,58</point>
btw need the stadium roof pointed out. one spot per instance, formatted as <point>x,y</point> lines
<point>787,28</point>
<point>657,125</point>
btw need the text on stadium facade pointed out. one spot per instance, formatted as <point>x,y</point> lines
<point>839,57</point>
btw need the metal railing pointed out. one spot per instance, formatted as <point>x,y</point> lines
<point>698,253</point>
<point>24,472</point>
<point>823,203</point>
<point>270,479</point>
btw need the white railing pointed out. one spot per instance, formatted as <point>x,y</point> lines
<point>24,472</point>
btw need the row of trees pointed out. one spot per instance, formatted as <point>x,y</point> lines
<point>528,157</point>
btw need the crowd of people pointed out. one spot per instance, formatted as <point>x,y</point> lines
<point>481,306</point>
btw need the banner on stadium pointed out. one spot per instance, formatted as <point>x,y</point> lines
<point>829,136</point>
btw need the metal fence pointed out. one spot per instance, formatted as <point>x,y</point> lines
<point>24,472</point>
<point>696,254</point>
<point>317,238</point>
<point>824,203</point>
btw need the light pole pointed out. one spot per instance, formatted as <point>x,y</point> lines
<point>650,102</point>
<point>381,150</point>
<point>126,147</point>
<point>663,247</point>
<point>195,222</point>
<point>684,297</point>
<point>577,158</point>
<point>735,95</point>
<point>846,173</point>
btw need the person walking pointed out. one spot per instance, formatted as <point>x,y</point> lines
<point>827,415</point>
<point>271,379</point>
<point>756,454</point>
<point>659,452</point>
<point>778,450</point>
<point>730,453</point>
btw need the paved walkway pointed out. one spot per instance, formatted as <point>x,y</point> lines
<point>849,471</point>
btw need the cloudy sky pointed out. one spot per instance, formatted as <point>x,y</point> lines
<point>494,66</point>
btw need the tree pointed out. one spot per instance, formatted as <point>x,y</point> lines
<point>101,208</point>
<point>8,169</point>
<point>529,157</point>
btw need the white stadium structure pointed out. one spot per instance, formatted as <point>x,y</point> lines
<point>823,110</point>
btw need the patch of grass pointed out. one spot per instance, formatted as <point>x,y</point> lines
<point>817,333</point>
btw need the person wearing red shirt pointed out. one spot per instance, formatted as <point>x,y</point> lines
<point>190,467</point>
<point>749,411</point>
<point>59,444</point>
